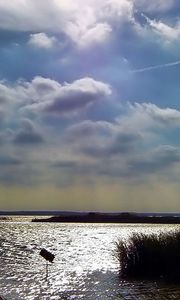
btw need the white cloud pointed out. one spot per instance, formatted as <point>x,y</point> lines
<point>49,96</point>
<point>164,31</point>
<point>89,134</point>
<point>27,15</point>
<point>88,128</point>
<point>84,22</point>
<point>50,92</point>
<point>43,86</point>
<point>98,33</point>
<point>156,160</point>
<point>113,145</point>
<point>28,134</point>
<point>70,97</point>
<point>42,40</point>
<point>162,116</point>
<point>139,124</point>
<point>120,11</point>
<point>101,139</point>
<point>146,118</point>
<point>46,95</point>
<point>93,21</point>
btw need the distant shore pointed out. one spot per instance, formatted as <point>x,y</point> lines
<point>93,217</point>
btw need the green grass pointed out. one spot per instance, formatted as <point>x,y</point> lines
<point>149,256</point>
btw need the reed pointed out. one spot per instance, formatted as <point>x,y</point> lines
<point>149,256</point>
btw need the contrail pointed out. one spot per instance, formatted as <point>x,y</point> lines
<point>175,63</point>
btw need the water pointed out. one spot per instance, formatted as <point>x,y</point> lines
<point>84,267</point>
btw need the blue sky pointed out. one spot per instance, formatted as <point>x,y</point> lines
<point>89,105</point>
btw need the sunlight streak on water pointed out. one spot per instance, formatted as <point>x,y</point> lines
<point>84,267</point>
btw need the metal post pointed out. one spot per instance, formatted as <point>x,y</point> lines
<point>47,270</point>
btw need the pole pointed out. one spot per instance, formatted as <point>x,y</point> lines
<point>47,270</point>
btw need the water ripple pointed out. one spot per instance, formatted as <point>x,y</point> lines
<point>84,267</point>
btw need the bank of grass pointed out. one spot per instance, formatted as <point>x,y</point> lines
<point>149,256</point>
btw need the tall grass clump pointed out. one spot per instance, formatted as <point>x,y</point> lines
<point>149,256</point>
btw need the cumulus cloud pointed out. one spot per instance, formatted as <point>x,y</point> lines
<point>87,129</point>
<point>121,11</point>
<point>44,95</point>
<point>94,21</point>
<point>41,86</point>
<point>84,22</point>
<point>42,40</point>
<point>8,160</point>
<point>167,116</point>
<point>100,139</point>
<point>166,32</point>
<point>27,15</point>
<point>70,98</point>
<point>93,35</point>
<point>13,94</point>
<point>2,116</point>
<point>148,116</point>
<point>49,96</point>
<point>135,166</point>
<point>8,92</point>
<point>105,148</point>
<point>159,159</point>
<point>28,134</point>
<point>94,146</point>
<point>65,164</point>
<point>121,144</point>
<point>120,148</point>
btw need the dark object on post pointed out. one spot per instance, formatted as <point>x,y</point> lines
<point>47,255</point>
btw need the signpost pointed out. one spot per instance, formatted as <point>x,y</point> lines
<point>48,256</point>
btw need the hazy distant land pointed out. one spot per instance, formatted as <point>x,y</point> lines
<point>94,217</point>
<point>123,217</point>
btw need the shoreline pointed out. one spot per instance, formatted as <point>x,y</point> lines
<point>110,218</point>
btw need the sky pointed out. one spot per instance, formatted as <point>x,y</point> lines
<point>90,105</point>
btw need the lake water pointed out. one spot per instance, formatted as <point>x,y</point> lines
<point>84,266</point>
